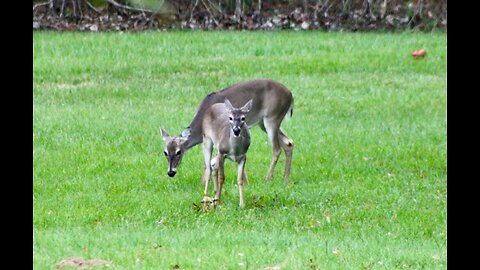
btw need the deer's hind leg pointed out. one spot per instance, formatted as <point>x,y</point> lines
<point>287,145</point>
<point>272,126</point>
<point>215,177</point>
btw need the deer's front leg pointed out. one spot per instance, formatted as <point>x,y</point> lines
<point>207,154</point>
<point>214,168</point>
<point>240,179</point>
<point>221,176</point>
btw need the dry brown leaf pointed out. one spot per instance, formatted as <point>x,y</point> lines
<point>311,222</point>
<point>273,267</point>
<point>419,53</point>
<point>196,206</point>
<point>326,213</point>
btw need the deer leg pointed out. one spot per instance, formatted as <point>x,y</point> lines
<point>245,179</point>
<point>287,145</point>
<point>240,179</point>
<point>207,154</point>
<point>272,131</point>
<point>215,177</point>
<point>221,176</point>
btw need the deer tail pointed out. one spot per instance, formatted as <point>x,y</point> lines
<point>290,111</point>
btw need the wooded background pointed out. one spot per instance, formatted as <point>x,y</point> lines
<point>331,15</point>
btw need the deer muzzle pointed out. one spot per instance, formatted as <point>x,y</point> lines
<point>236,131</point>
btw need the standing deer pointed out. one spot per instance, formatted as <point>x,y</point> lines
<point>224,127</point>
<point>271,102</point>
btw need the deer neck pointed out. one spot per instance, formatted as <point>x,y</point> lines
<point>237,143</point>
<point>195,137</point>
<point>196,132</point>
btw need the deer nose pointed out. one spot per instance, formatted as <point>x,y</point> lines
<point>171,173</point>
<point>236,131</point>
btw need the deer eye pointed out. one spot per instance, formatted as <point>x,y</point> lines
<point>243,118</point>
<point>230,118</point>
<point>178,152</point>
<point>166,153</point>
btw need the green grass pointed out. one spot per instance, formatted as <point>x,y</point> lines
<point>369,126</point>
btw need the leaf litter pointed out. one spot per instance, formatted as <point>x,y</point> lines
<point>82,263</point>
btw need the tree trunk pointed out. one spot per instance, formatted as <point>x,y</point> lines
<point>258,9</point>
<point>238,9</point>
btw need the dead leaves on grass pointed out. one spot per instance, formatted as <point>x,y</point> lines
<point>256,202</point>
<point>273,267</point>
<point>82,263</point>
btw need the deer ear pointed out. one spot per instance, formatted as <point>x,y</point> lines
<point>246,108</point>
<point>186,133</point>
<point>228,105</point>
<point>164,134</point>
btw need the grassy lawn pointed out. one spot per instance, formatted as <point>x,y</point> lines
<point>369,126</point>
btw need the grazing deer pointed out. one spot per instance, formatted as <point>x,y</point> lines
<point>224,127</point>
<point>271,102</point>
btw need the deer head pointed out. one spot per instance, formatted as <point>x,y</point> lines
<point>237,116</point>
<point>174,149</point>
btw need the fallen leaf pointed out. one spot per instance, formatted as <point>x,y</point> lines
<point>419,53</point>
<point>273,267</point>
<point>196,206</point>
<point>256,201</point>
<point>327,215</point>
<point>94,28</point>
<point>160,221</point>
<point>311,222</point>
<point>176,266</point>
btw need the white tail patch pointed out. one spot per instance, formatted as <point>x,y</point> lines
<point>290,111</point>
